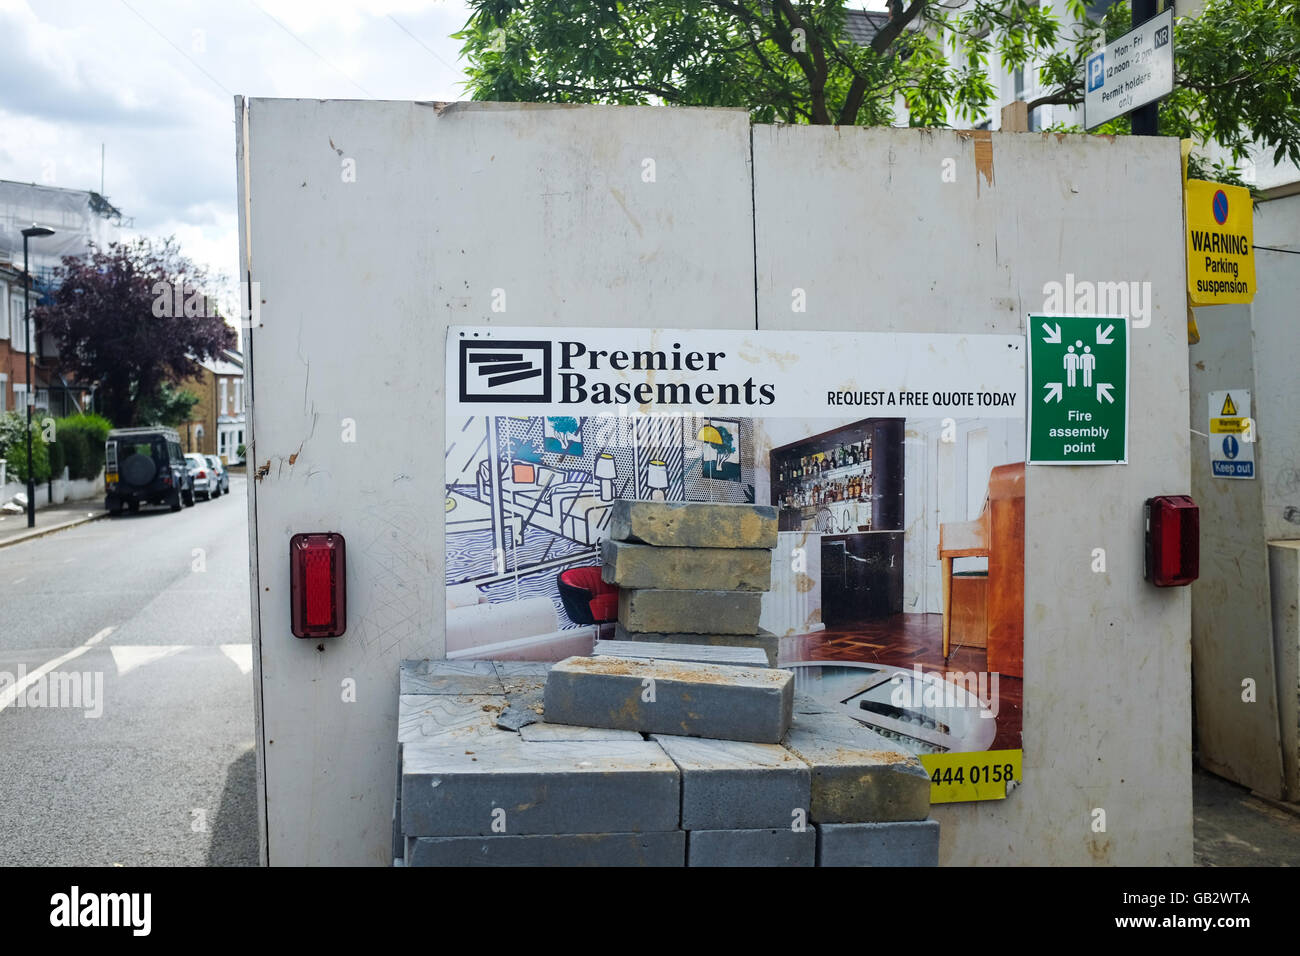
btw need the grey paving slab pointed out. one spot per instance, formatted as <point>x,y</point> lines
<point>543,731</point>
<point>505,784</point>
<point>649,610</point>
<point>694,524</point>
<point>632,565</point>
<point>807,704</point>
<point>448,677</point>
<point>774,847</point>
<point>737,785</point>
<point>857,775</point>
<point>523,695</point>
<point>697,653</point>
<point>508,669</point>
<point>766,641</point>
<point>569,849</point>
<point>421,716</point>
<point>913,843</point>
<point>515,718</point>
<point>671,697</point>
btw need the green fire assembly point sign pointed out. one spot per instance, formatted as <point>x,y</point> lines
<point>1078,390</point>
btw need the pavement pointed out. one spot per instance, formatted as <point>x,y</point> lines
<point>1232,827</point>
<point>132,742</point>
<point>13,527</point>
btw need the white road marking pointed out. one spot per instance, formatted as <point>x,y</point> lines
<point>10,693</point>
<point>19,581</point>
<point>241,654</point>
<point>128,657</point>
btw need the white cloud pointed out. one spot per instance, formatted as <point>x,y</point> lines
<point>78,73</point>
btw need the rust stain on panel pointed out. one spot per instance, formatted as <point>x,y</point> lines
<point>983,154</point>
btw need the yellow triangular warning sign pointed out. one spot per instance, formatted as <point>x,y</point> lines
<point>1228,407</point>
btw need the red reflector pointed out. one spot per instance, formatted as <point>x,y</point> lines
<point>203,474</point>
<point>318,569</point>
<point>317,585</point>
<point>1173,540</point>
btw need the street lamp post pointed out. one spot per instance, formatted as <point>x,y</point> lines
<point>31,232</point>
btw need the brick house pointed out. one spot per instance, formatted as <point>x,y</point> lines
<point>216,425</point>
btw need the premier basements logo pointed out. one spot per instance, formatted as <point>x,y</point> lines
<point>77,909</point>
<point>576,360</point>
<point>522,371</point>
<point>515,371</point>
<point>570,373</point>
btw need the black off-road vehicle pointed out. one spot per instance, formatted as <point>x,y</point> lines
<point>145,465</point>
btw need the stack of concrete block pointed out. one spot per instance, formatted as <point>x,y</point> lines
<point>691,572</point>
<point>686,770</point>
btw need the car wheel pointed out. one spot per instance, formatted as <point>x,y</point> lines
<point>113,504</point>
<point>134,506</point>
<point>175,501</point>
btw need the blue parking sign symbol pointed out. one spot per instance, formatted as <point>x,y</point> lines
<point>1096,71</point>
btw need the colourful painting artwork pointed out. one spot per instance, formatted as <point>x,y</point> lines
<point>563,435</point>
<point>718,448</point>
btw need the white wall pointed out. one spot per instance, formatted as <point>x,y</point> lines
<point>1246,524</point>
<point>359,281</point>
<point>1107,668</point>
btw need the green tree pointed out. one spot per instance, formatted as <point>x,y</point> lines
<point>169,405</point>
<point>132,318</point>
<point>13,448</point>
<point>1237,64</point>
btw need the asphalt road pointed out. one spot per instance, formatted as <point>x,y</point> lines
<point>148,758</point>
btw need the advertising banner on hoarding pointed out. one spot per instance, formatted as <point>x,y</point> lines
<point>895,464</point>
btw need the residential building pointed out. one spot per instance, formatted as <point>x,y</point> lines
<point>216,425</point>
<point>79,219</point>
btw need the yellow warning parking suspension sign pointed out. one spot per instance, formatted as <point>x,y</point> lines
<point>1220,243</point>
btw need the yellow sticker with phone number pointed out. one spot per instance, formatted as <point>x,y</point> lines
<point>961,777</point>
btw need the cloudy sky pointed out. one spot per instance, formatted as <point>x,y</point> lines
<point>154,82</point>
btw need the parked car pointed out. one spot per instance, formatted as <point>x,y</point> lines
<point>206,483</point>
<point>222,474</point>
<point>145,466</point>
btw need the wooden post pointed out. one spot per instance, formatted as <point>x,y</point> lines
<point>1015,117</point>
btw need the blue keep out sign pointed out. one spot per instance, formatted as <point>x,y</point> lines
<point>1233,469</point>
